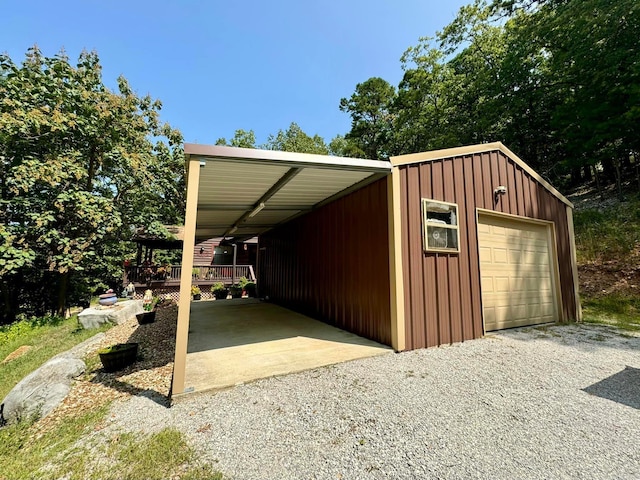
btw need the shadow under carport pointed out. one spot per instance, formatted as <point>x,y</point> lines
<point>241,340</point>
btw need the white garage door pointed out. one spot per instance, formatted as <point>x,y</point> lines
<point>516,267</point>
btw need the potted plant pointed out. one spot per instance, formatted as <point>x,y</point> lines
<point>219,291</point>
<point>149,314</point>
<point>236,291</point>
<point>251,289</point>
<point>196,292</point>
<point>118,356</point>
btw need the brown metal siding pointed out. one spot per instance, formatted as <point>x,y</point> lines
<point>442,291</point>
<point>333,264</point>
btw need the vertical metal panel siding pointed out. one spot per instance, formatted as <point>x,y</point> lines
<point>443,298</point>
<point>333,264</point>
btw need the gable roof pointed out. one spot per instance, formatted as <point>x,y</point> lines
<point>471,150</point>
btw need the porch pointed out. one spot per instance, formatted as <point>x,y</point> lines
<point>159,277</point>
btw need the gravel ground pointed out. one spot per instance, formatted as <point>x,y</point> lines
<point>548,402</point>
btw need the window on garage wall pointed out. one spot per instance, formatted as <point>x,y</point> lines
<point>440,226</point>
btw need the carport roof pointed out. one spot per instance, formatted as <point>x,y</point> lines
<point>244,192</point>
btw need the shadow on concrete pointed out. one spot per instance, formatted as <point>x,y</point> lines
<point>622,387</point>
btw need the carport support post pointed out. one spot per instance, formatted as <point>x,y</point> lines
<point>188,247</point>
<point>396,280</point>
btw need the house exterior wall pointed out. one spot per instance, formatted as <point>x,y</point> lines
<point>206,257</point>
<point>442,292</point>
<point>245,254</point>
<point>333,263</point>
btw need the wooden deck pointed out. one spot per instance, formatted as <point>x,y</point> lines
<point>201,275</point>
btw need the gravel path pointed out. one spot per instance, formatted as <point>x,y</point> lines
<point>512,405</point>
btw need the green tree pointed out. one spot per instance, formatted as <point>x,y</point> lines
<point>370,108</point>
<point>294,139</point>
<point>428,101</point>
<point>81,167</point>
<point>591,52</point>
<point>340,146</point>
<point>241,138</point>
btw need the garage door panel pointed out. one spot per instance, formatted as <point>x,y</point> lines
<point>510,298</point>
<point>499,255</point>
<point>487,284</point>
<point>502,284</point>
<point>485,254</point>
<point>516,272</point>
<point>515,256</point>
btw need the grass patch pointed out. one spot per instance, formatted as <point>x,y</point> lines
<point>48,336</point>
<point>153,457</point>
<point>23,457</point>
<point>59,453</point>
<point>622,311</point>
<point>608,234</point>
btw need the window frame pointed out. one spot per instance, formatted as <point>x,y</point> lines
<point>426,224</point>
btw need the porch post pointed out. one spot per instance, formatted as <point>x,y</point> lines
<point>184,306</point>
<point>235,256</point>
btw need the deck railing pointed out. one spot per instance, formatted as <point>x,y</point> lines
<point>200,274</point>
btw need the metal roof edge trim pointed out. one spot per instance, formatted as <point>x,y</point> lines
<point>292,159</point>
<point>433,155</point>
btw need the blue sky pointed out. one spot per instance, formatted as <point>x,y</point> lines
<point>222,65</point>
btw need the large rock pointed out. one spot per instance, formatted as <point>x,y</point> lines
<point>42,390</point>
<point>117,314</point>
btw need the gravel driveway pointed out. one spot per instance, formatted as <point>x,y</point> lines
<point>548,402</point>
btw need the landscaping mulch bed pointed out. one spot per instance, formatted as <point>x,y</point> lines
<point>150,374</point>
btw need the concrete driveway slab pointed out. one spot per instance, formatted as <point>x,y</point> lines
<point>241,340</point>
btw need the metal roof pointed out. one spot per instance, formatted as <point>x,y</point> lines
<point>244,192</point>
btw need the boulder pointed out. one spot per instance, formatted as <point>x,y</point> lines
<point>117,314</point>
<point>41,391</point>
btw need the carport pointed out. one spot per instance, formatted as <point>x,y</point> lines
<point>241,193</point>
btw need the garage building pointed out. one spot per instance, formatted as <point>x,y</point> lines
<point>427,249</point>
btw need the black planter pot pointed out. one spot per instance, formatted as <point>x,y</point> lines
<point>118,356</point>
<point>198,296</point>
<point>221,294</point>
<point>146,317</point>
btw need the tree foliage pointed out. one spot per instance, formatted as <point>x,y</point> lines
<point>556,80</point>
<point>370,108</point>
<point>81,166</point>
<point>241,139</point>
<point>294,139</point>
